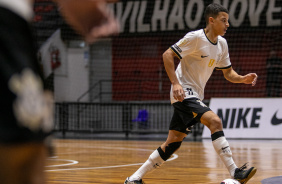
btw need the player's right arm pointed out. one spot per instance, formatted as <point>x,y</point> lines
<point>168,59</point>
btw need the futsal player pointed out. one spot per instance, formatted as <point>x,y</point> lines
<point>200,52</point>
<point>25,106</point>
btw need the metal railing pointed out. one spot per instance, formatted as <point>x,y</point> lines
<point>114,117</point>
<point>102,90</point>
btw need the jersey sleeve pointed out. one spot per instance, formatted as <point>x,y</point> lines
<point>224,61</point>
<point>185,46</point>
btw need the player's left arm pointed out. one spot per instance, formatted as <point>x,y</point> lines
<point>234,77</point>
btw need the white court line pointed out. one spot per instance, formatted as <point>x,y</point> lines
<point>85,168</point>
<point>104,147</point>
<point>174,156</point>
<point>72,162</point>
<point>52,157</point>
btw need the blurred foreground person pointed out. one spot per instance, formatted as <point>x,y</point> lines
<point>26,111</point>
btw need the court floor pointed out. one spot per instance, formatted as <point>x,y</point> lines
<point>111,161</point>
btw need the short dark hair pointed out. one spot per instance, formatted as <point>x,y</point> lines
<point>213,10</point>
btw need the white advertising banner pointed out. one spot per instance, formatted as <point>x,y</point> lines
<point>248,118</point>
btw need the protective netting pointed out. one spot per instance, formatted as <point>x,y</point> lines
<point>130,64</point>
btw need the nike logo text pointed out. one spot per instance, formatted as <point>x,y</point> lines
<point>275,120</point>
<point>204,56</point>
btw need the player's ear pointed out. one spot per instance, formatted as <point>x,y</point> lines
<point>211,20</point>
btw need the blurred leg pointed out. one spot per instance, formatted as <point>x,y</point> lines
<point>22,163</point>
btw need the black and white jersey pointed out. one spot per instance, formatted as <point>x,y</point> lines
<point>25,110</point>
<point>198,58</point>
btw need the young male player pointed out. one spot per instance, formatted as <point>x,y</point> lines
<point>200,52</point>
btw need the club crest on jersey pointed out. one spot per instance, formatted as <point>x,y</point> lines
<point>181,42</point>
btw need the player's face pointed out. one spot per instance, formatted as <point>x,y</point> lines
<point>221,23</point>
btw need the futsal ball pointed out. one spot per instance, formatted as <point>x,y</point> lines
<point>230,181</point>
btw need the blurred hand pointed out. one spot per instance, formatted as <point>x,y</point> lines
<point>90,18</point>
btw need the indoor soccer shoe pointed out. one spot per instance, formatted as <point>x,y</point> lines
<point>127,181</point>
<point>243,176</point>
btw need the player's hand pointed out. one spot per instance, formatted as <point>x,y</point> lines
<point>250,78</point>
<point>178,92</point>
<point>91,19</point>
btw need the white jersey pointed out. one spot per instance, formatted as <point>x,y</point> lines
<point>198,59</point>
<point>23,8</point>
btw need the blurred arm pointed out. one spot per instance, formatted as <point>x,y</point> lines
<point>90,18</point>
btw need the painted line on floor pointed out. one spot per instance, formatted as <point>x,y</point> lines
<point>174,156</point>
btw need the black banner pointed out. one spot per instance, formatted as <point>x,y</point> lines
<point>159,17</point>
<point>148,16</point>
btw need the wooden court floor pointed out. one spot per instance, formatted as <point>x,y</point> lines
<point>111,161</point>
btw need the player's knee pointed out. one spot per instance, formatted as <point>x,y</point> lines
<point>215,124</point>
<point>169,150</point>
<point>216,120</point>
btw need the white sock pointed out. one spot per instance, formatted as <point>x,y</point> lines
<point>154,161</point>
<point>222,148</point>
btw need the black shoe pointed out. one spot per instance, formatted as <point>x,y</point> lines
<point>127,181</point>
<point>243,176</point>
